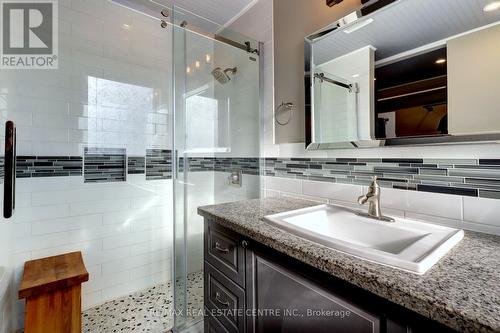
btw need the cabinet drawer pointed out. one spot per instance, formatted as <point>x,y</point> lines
<point>224,252</point>
<point>224,299</point>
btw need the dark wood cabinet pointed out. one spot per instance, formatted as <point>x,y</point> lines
<point>252,288</point>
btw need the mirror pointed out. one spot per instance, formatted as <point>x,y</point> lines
<point>405,72</point>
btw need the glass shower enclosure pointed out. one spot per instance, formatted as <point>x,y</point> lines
<point>141,123</point>
<point>215,135</point>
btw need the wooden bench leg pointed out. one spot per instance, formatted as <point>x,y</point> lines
<point>54,312</point>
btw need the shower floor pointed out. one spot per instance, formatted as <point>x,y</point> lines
<point>149,310</point>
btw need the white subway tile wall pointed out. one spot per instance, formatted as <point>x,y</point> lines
<point>126,241</point>
<point>111,89</point>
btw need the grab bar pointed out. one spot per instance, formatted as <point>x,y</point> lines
<point>9,184</point>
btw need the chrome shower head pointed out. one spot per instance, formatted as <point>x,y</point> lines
<point>221,75</point>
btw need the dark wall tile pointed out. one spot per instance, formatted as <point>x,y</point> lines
<point>403,160</point>
<point>489,161</point>
<point>448,190</point>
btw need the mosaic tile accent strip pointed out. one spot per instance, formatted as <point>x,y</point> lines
<point>467,177</point>
<point>158,164</point>
<point>136,165</point>
<point>102,165</point>
<point>248,165</point>
<point>48,166</point>
<point>105,164</point>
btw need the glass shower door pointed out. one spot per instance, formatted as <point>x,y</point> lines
<point>216,132</point>
<point>93,166</point>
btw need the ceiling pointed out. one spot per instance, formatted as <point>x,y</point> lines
<point>218,11</point>
<point>406,25</point>
<point>209,15</point>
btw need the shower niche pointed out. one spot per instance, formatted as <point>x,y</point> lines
<point>208,120</point>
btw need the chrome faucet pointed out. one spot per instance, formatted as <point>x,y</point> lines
<point>373,199</point>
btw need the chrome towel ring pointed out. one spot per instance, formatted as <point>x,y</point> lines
<point>283,107</point>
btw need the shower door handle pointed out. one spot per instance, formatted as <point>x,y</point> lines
<point>9,184</point>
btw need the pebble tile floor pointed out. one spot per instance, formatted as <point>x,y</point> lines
<point>144,311</point>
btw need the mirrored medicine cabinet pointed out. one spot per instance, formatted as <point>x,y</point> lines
<point>403,73</point>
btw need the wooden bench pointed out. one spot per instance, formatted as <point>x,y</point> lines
<point>52,288</point>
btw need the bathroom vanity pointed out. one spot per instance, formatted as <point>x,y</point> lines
<point>260,278</point>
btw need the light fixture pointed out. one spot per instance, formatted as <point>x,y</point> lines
<point>355,75</point>
<point>197,64</point>
<point>208,58</point>
<point>495,5</point>
<point>358,25</point>
<point>188,70</point>
<point>126,26</point>
<point>440,61</point>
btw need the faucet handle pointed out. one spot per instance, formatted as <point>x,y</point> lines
<point>374,184</point>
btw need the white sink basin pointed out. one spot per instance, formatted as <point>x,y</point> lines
<point>405,244</point>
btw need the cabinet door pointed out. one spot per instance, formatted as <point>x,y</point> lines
<point>284,301</point>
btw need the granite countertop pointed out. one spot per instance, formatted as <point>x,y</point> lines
<point>461,291</point>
